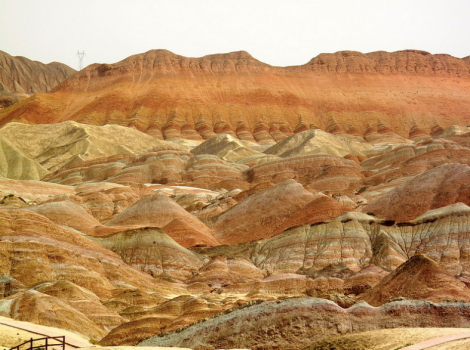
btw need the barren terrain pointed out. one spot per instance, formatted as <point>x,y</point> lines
<point>219,202</point>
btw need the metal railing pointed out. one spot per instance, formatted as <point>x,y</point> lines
<point>47,344</point>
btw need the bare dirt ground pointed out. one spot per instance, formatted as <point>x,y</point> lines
<point>392,339</point>
<point>10,336</point>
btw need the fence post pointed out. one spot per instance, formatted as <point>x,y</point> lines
<point>31,344</point>
<point>46,343</point>
<point>63,343</point>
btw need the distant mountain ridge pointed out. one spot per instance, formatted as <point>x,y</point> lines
<point>172,96</point>
<point>20,74</point>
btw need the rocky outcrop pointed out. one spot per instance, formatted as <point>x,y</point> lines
<point>83,301</point>
<point>35,250</point>
<point>444,185</point>
<point>35,307</point>
<point>318,141</point>
<point>272,211</point>
<point>68,213</point>
<point>160,211</point>
<point>346,246</point>
<point>14,164</point>
<point>295,323</point>
<point>152,251</point>
<point>58,145</point>
<point>322,172</point>
<point>418,278</point>
<point>225,147</point>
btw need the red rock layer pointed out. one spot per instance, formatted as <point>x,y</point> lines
<point>243,133</point>
<point>272,211</point>
<point>161,211</point>
<point>441,186</point>
<point>344,86</point>
<point>418,278</point>
<point>322,172</point>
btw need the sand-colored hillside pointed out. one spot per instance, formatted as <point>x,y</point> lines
<point>58,145</point>
<point>14,164</point>
<point>391,339</point>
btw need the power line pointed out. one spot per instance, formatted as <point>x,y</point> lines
<point>80,59</point>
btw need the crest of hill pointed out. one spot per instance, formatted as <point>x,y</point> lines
<point>408,62</point>
<point>295,323</point>
<point>418,278</point>
<point>160,211</point>
<point>318,141</point>
<point>57,145</point>
<point>167,63</point>
<point>69,214</point>
<point>19,74</point>
<point>225,147</point>
<point>438,187</point>
<point>152,250</point>
<point>354,88</point>
<point>14,164</point>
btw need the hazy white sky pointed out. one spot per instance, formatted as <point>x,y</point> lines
<point>276,32</point>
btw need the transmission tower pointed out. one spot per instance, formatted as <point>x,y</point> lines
<point>80,59</point>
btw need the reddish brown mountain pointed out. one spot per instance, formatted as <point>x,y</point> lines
<point>159,90</point>
<point>418,278</point>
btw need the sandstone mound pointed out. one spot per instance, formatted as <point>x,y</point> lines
<point>8,99</point>
<point>222,271</point>
<point>453,130</point>
<point>225,147</point>
<point>57,145</point>
<point>152,251</point>
<point>68,213</point>
<point>38,250</point>
<point>160,211</point>
<point>318,141</point>
<point>33,190</point>
<point>14,164</point>
<point>322,172</point>
<point>10,286</point>
<point>455,211</point>
<point>105,200</point>
<point>211,172</point>
<point>83,301</point>
<point>344,247</point>
<point>418,278</point>
<point>33,306</point>
<point>166,317</point>
<point>392,168</point>
<point>164,164</point>
<point>20,74</point>
<point>270,212</point>
<point>295,323</point>
<point>444,185</point>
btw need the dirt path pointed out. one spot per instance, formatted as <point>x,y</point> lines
<point>437,341</point>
